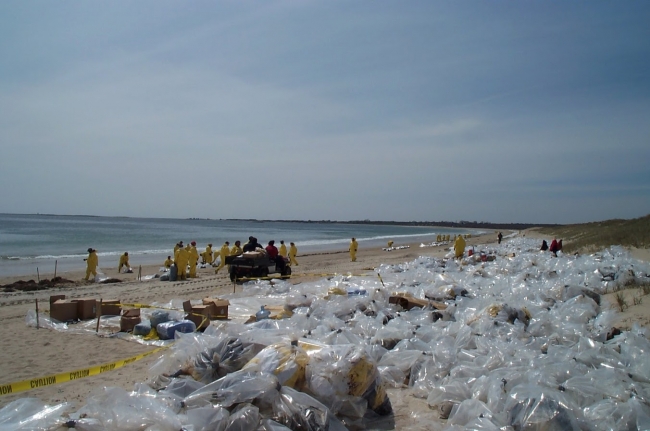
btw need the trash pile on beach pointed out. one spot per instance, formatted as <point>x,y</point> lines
<point>520,342</point>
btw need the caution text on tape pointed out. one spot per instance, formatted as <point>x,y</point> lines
<point>55,379</point>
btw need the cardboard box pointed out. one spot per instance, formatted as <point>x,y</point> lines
<point>131,312</point>
<point>55,298</point>
<point>219,307</point>
<point>409,302</point>
<point>63,311</point>
<point>128,323</point>
<point>110,307</point>
<point>129,319</point>
<point>86,308</point>
<point>199,314</point>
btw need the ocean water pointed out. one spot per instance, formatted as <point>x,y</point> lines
<point>31,242</point>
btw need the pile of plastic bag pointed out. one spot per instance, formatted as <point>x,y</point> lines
<point>523,342</point>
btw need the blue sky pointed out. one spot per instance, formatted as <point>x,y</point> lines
<point>501,111</point>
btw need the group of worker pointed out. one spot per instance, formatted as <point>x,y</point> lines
<point>188,255</point>
<point>447,238</point>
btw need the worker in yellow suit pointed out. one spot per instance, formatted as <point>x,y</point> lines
<point>225,251</point>
<point>169,262</point>
<point>459,246</point>
<point>293,251</point>
<point>283,249</point>
<point>91,263</point>
<point>193,259</point>
<point>178,245</point>
<point>124,261</point>
<point>182,258</point>
<point>236,249</point>
<point>207,255</point>
<point>354,246</point>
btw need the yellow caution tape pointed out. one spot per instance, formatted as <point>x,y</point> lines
<point>55,379</point>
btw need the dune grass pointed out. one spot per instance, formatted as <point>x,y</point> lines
<point>589,237</point>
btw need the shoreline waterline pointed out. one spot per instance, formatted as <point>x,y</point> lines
<point>46,268</point>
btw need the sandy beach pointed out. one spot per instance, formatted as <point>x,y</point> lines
<point>29,352</point>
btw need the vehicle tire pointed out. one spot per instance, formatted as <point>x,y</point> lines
<point>233,276</point>
<point>286,272</point>
<point>264,272</point>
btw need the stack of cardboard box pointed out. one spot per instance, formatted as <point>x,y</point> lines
<point>111,307</point>
<point>129,319</point>
<point>219,307</point>
<point>63,310</point>
<point>212,308</point>
<point>66,310</point>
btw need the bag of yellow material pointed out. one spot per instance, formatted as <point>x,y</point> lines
<point>346,379</point>
<point>338,290</point>
<point>494,309</point>
<point>286,361</point>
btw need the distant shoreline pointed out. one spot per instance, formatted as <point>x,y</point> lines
<point>449,224</point>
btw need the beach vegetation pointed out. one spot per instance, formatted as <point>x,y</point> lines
<point>592,237</point>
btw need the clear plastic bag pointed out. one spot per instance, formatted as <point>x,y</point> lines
<point>236,388</point>
<point>299,411</point>
<point>610,414</point>
<point>287,361</point>
<point>271,425</point>
<point>245,417</point>
<point>216,359</point>
<point>534,408</point>
<point>454,391</point>
<point>340,376</point>
<point>29,414</point>
<point>468,411</point>
<point>118,410</point>
<point>207,418</point>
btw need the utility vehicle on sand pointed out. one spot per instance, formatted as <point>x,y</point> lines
<point>255,264</point>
